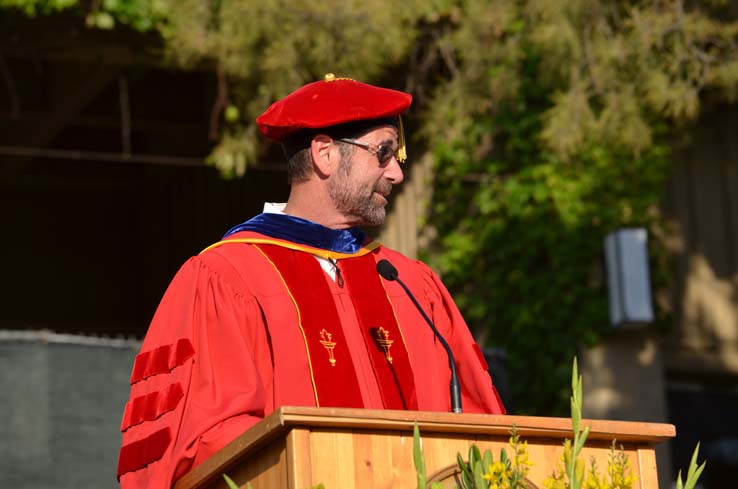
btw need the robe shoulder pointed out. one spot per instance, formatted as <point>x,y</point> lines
<point>203,334</point>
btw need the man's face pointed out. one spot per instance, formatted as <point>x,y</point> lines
<point>361,185</point>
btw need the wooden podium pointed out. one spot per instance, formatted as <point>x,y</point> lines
<point>300,447</point>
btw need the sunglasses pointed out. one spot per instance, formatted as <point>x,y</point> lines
<point>383,153</point>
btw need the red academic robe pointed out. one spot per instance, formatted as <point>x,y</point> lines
<point>230,343</point>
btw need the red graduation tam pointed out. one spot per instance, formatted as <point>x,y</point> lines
<point>331,102</point>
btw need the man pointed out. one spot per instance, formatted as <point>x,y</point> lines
<point>288,309</point>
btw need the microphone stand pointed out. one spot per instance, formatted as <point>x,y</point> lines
<point>389,272</point>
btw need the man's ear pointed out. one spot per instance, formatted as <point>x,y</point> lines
<point>323,157</point>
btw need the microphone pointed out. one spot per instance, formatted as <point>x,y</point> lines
<point>389,272</point>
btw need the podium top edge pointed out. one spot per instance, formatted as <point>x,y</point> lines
<point>491,424</point>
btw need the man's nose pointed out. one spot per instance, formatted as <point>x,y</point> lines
<point>393,172</point>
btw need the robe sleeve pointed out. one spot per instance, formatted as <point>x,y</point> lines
<point>196,384</point>
<point>478,393</point>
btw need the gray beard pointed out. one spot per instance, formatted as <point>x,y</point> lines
<point>356,200</point>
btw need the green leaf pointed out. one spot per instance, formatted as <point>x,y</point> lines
<point>581,440</point>
<point>229,481</point>
<point>467,479</point>
<point>479,471</point>
<point>693,462</point>
<point>101,20</point>
<point>679,484</point>
<point>487,459</point>
<point>474,455</point>
<point>694,472</point>
<point>419,458</point>
<point>575,416</point>
<point>231,113</point>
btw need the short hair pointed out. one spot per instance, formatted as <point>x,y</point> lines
<point>296,147</point>
<point>300,164</point>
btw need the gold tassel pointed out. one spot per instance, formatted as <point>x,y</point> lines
<point>402,148</point>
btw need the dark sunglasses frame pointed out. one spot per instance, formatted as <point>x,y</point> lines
<point>383,153</point>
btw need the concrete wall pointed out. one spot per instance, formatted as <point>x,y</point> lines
<point>61,404</point>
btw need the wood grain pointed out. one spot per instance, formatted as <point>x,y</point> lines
<point>299,447</point>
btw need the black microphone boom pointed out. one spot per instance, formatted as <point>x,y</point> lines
<point>388,271</point>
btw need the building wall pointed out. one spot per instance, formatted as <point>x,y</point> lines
<point>702,203</point>
<point>688,375</point>
<point>701,350</point>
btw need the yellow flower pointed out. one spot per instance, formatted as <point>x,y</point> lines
<point>522,459</point>
<point>495,471</point>
<point>555,481</point>
<point>592,481</point>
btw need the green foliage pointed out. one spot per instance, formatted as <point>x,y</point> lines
<point>268,48</point>
<point>693,472</point>
<point>419,458</point>
<point>233,485</point>
<point>482,472</point>
<point>574,466</point>
<point>142,15</point>
<point>419,461</point>
<point>618,475</point>
<point>34,7</point>
<point>472,471</point>
<point>572,476</point>
<point>521,249</point>
<point>549,122</point>
<point>553,135</point>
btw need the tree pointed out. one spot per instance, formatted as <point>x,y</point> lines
<point>545,141</point>
<point>549,123</point>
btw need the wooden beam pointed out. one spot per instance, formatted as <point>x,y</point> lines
<point>28,119</point>
<point>103,156</point>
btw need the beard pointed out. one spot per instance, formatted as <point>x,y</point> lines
<point>357,199</point>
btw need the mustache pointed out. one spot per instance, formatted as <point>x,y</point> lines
<point>383,187</point>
